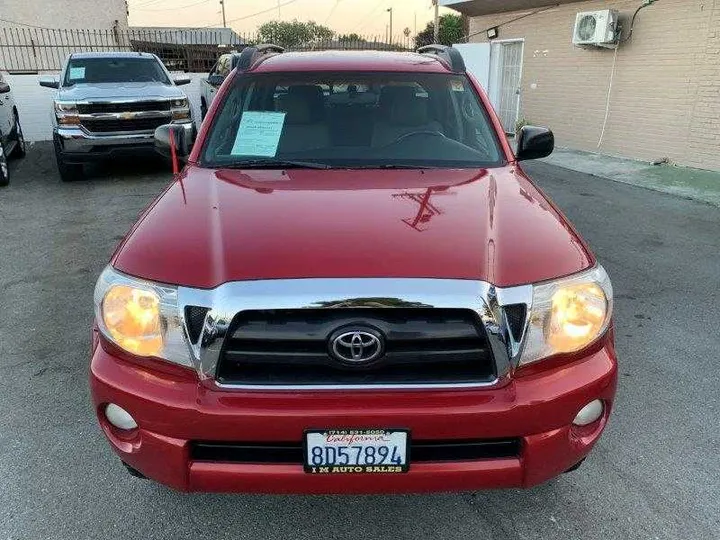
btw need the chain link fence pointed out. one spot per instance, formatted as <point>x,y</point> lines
<point>25,50</point>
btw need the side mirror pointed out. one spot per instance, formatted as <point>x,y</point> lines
<point>4,88</point>
<point>49,82</point>
<point>215,80</point>
<point>175,142</point>
<point>534,143</point>
<point>182,80</point>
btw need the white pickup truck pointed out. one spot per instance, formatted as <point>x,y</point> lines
<point>107,105</point>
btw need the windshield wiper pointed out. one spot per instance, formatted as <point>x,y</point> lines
<point>396,166</point>
<point>274,164</point>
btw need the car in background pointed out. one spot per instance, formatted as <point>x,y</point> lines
<point>109,104</point>
<point>12,141</point>
<point>210,86</point>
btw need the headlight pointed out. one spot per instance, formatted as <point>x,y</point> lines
<point>567,315</point>
<point>180,109</point>
<point>141,317</point>
<point>66,112</point>
<point>66,107</point>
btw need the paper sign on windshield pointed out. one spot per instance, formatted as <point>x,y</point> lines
<point>259,134</point>
<point>77,73</point>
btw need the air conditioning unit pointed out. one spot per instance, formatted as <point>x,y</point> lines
<point>596,28</point>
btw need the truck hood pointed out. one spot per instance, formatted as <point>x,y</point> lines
<point>129,90</point>
<point>215,226</point>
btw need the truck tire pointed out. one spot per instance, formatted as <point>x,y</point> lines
<point>20,149</point>
<point>68,171</point>
<point>4,170</point>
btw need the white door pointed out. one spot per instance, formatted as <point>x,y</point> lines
<point>505,76</point>
<point>477,61</point>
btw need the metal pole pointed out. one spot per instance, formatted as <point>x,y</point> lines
<point>222,4</point>
<point>390,11</point>
<point>436,37</point>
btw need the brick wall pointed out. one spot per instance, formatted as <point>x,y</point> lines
<point>34,103</point>
<point>665,100</point>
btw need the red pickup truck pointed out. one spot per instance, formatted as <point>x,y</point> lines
<point>352,287</point>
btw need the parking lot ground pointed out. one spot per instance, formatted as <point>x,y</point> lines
<point>654,475</point>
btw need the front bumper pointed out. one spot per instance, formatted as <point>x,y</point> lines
<point>80,146</point>
<point>173,409</point>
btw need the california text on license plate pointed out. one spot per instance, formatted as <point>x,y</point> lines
<point>376,451</point>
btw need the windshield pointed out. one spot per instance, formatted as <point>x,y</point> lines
<point>352,120</point>
<point>114,70</point>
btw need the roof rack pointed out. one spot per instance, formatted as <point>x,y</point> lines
<point>250,55</point>
<point>448,55</point>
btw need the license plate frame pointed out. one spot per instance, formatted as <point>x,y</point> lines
<point>394,434</point>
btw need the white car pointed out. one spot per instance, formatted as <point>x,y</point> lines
<point>210,86</point>
<point>12,142</point>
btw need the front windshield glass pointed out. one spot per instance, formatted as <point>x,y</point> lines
<point>352,120</point>
<point>114,70</point>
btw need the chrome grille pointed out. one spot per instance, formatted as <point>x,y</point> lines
<point>292,347</point>
<point>135,106</point>
<point>97,125</point>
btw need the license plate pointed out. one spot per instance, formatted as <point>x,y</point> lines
<point>375,451</point>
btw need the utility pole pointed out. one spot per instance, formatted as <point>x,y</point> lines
<point>390,11</point>
<point>222,5</point>
<point>436,36</point>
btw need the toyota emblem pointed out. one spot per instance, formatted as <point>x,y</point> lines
<point>356,346</point>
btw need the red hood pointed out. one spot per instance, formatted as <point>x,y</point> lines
<point>218,226</point>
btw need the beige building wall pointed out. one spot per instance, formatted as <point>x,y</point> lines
<point>665,100</point>
<point>88,14</point>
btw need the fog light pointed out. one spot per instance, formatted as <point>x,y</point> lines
<point>119,417</point>
<point>589,413</point>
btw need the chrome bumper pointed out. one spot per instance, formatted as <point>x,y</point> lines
<point>76,140</point>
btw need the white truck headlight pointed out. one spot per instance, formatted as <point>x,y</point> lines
<point>181,109</point>
<point>66,112</point>
<point>141,317</point>
<point>568,314</point>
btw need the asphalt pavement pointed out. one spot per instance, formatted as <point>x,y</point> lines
<point>654,475</point>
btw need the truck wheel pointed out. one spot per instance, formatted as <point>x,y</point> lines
<point>68,171</point>
<point>20,148</point>
<point>4,171</point>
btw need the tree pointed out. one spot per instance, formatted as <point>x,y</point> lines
<point>293,34</point>
<point>452,30</point>
<point>350,38</point>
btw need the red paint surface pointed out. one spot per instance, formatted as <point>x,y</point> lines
<point>173,409</point>
<point>491,225</point>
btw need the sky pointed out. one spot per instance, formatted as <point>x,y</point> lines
<point>366,17</point>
